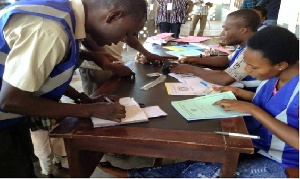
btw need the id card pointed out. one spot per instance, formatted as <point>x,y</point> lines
<point>151,7</point>
<point>170,6</point>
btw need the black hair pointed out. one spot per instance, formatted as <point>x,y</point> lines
<point>262,10</point>
<point>247,17</point>
<point>135,8</point>
<point>277,44</point>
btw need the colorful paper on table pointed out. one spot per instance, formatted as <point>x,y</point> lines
<point>174,48</point>
<point>187,53</point>
<point>192,39</point>
<point>202,107</point>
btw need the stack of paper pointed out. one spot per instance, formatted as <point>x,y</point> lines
<point>134,114</point>
<point>203,108</point>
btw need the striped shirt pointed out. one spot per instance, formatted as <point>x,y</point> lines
<point>178,13</point>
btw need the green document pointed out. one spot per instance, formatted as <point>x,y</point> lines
<point>203,108</point>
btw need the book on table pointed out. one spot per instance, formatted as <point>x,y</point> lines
<point>134,114</point>
<point>202,107</point>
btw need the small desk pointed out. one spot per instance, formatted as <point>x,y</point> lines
<point>166,137</point>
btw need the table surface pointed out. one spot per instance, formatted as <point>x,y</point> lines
<point>165,137</point>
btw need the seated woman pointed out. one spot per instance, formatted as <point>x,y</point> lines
<point>272,56</point>
<point>263,14</point>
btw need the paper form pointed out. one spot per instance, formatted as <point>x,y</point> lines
<point>203,108</point>
<point>179,89</point>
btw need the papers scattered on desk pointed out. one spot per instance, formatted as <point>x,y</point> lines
<point>134,114</point>
<point>202,107</point>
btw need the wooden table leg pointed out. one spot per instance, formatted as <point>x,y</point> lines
<point>81,163</point>
<point>229,166</point>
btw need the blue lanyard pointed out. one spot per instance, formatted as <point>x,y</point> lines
<point>236,54</point>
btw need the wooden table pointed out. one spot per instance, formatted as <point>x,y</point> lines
<point>170,137</point>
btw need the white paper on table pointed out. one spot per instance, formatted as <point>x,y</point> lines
<point>154,111</point>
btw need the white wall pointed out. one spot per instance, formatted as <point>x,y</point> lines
<point>289,15</point>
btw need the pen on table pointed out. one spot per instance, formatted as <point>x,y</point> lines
<point>203,83</point>
<point>238,135</point>
<point>108,100</point>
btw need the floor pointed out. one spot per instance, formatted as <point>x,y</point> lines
<point>213,28</point>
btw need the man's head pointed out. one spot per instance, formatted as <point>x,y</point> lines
<point>111,21</point>
<point>239,26</point>
<point>262,12</point>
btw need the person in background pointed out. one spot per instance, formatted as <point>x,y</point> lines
<point>248,4</point>
<point>238,27</point>
<point>39,53</point>
<point>172,14</point>
<point>273,7</point>
<point>151,17</point>
<point>263,14</point>
<point>272,56</point>
<point>200,13</point>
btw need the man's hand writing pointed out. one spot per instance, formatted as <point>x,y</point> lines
<point>109,111</point>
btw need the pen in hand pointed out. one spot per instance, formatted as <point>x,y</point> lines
<point>108,100</point>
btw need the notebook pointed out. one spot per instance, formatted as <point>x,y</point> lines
<point>134,114</point>
<point>202,107</point>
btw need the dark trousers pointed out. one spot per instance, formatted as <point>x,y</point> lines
<point>15,151</point>
<point>166,27</point>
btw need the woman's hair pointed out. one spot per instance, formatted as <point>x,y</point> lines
<point>262,10</point>
<point>277,44</point>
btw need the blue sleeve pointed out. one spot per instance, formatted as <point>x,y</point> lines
<point>262,2</point>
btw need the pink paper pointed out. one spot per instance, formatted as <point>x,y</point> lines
<point>192,39</point>
<point>222,49</point>
<point>163,35</point>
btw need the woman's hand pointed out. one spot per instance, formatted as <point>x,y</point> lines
<point>236,105</point>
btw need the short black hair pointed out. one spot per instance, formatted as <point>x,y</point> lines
<point>277,44</point>
<point>135,8</point>
<point>247,17</point>
<point>262,10</point>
